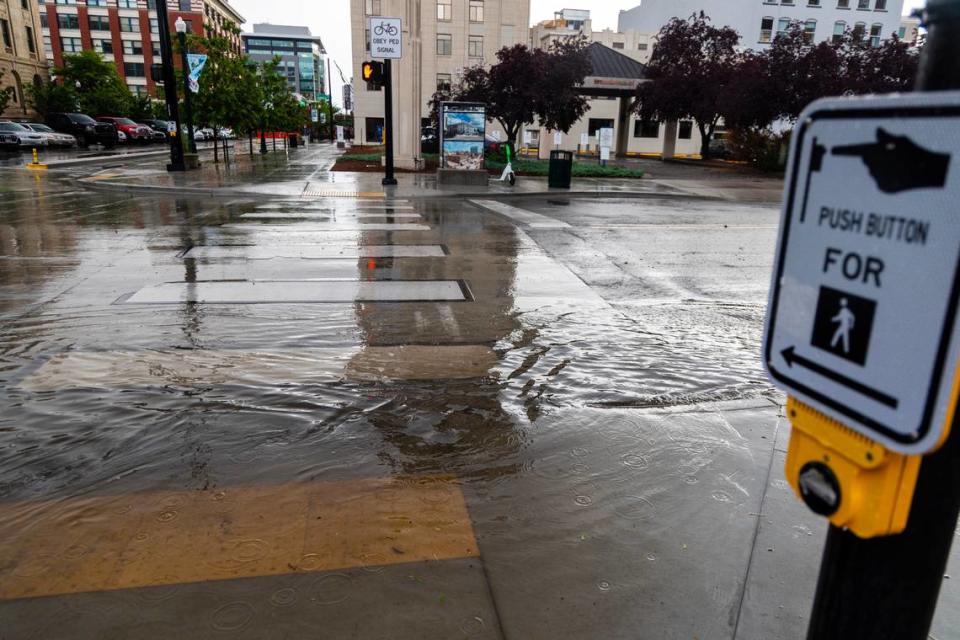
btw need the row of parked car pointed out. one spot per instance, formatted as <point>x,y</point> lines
<point>72,129</point>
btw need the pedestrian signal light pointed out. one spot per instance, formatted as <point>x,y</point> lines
<point>373,73</point>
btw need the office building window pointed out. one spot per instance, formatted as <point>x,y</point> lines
<point>155,49</point>
<point>5,31</point>
<point>31,44</point>
<point>48,45</point>
<point>127,4</point>
<point>96,3</point>
<point>809,29</point>
<point>475,47</point>
<point>133,47</point>
<point>154,26</point>
<point>444,10</point>
<point>813,3</point>
<point>103,46</point>
<point>44,21</point>
<point>444,44</point>
<point>875,35</point>
<point>646,129</point>
<point>618,45</point>
<point>839,27</point>
<point>98,23</point>
<point>476,10</point>
<point>184,5</point>
<point>881,5</point>
<point>642,46</point>
<point>70,2</point>
<point>595,124</point>
<point>685,132</point>
<point>863,4</point>
<point>902,33</point>
<point>374,132</point>
<point>372,7</point>
<point>790,2</point>
<point>443,82</point>
<point>133,69</point>
<point>859,29</point>
<point>68,21</point>
<point>71,45</point>
<point>130,25</point>
<point>138,90</point>
<point>766,29</point>
<point>782,25</point>
<point>843,4</point>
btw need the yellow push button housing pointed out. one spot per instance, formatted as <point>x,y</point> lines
<point>852,480</point>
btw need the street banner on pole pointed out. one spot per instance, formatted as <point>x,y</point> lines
<point>196,62</point>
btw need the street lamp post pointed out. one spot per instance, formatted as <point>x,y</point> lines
<point>181,27</point>
<point>169,86</point>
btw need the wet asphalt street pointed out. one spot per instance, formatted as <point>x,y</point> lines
<point>376,417</point>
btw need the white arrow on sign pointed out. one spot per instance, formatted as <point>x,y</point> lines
<point>862,321</point>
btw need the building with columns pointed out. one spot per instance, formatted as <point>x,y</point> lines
<point>440,38</point>
<point>126,31</point>
<point>21,61</point>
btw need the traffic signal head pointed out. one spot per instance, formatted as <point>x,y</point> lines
<point>372,73</point>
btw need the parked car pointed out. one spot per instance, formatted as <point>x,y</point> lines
<point>53,138</point>
<point>9,141</point>
<point>134,132</point>
<point>226,133</point>
<point>207,133</point>
<point>85,129</point>
<point>25,137</point>
<point>198,134</point>
<point>160,128</point>
<point>719,149</point>
<point>121,137</point>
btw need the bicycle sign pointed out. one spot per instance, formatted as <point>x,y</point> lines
<point>386,38</point>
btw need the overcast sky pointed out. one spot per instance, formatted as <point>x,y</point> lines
<point>330,19</point>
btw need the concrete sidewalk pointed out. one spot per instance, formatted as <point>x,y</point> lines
<point>306,173</point>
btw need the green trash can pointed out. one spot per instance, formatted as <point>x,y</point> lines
<point>561,166</point>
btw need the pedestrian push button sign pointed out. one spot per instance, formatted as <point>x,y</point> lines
<point>862,320</point>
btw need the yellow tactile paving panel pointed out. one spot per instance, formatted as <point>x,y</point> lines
<point>322,193</point>
<point>127,369</point>
<point>149,539</point>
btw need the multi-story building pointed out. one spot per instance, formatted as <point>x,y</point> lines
<point>440,38</point>
<point>759,21</point>
<point>301,56</point>
<point>21,61</point>
<point>126,31</point>
<point>909,30</point>
<point>576,23</point>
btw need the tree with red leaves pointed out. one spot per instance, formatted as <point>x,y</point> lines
<point>688,74</point>
<point>525,86</point>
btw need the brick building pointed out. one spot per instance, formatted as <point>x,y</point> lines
<point>126,31</point>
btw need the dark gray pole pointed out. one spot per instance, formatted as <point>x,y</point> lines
<point>185,62</point>
<point>333,133</point>
<point>888,587</point>
<point>388,120</point>
<point>169,85</point>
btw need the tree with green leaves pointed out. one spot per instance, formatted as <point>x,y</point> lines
<point>279,107</point>
<point>99,89</point>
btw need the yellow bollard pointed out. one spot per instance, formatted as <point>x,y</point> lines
<point>35,165</point>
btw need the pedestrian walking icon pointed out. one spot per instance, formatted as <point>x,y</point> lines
<point>845,321</point>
